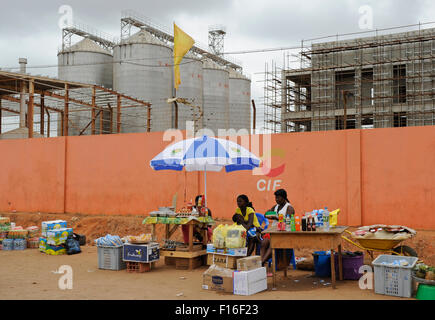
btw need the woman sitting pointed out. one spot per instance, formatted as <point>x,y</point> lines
<point>245,216</point>
<point>282,206</point>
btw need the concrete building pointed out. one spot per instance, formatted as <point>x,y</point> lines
<point>372,82</point>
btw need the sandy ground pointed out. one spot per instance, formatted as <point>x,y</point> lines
<point>30,274</point>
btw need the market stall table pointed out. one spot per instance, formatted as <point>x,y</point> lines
<point>191,222</point>
<point>319,240</point>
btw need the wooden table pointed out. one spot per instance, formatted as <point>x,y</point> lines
<point>169,231</point>
<point>318,240</point>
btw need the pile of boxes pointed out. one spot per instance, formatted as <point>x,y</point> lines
<point>231,272</point>
<point>54,235</point>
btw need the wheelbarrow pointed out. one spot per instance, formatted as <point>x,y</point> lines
<point>386,246</point>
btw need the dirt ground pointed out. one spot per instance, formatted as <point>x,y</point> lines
<point>30,274</point>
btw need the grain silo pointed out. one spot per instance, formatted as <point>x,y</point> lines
<point>143,69</point>
<point>85,62</point>
<point>240,101</point>
<point>216,96</point>
<point>191,88</point>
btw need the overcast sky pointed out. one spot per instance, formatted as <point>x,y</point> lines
<point>30,28</point>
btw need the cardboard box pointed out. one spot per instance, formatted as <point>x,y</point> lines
<point>249,263</point>
<point>218,279</point>
<point>222,260</point>
<point>141,252</point>
<point>247,283</point>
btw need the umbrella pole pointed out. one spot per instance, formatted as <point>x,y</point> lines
<point>205,186</point>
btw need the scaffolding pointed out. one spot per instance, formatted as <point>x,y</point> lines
<point>386,80</point>
<point>100,109</point>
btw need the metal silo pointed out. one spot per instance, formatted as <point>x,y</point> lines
<point>191,88</point>
<point>240,101</point>
<point>216,96</point>
<point>143,69</point>
<point>85,62</point>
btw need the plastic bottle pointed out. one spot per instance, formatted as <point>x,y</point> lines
<point>319,219</point>
<point>297,222</point>
<point>292,223</point>
<point>287,223</point>
<point>326,219</point>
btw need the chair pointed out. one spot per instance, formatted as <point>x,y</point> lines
<point>289,252</point>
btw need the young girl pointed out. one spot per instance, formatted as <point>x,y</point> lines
<point>245,216</point>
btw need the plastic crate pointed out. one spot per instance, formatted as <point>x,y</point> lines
<point>393,280</point>
<point>138,267</point>
<point>110,258</point>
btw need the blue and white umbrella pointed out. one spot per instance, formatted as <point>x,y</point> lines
<point>205,154</point>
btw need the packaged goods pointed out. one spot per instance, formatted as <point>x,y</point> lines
<point>42,244</point>
<point>249,263</point>
<point>141,253</point>
<point>235,237</point>
<point>32,231</point>
<point>219,234</point>
<point>17,234</point>
<point>222,260</point>
<point>8,244</point>
<point>5,221</point>
<point>143,238</point>
<point>247,283</point>
<point>109,241</point>
<point>218,279</point>
<point>58,236</point>
<point>55,250</point>
<point>20,244</point>
<point>54,224</point>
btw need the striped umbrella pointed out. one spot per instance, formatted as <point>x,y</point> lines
<point>205,154</point>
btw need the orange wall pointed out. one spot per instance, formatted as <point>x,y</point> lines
<point>32,175</point>
<point>374,176</point>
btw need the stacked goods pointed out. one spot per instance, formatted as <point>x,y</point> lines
<point>8,244</point>
<point>139,257</point>
<point>20,244</point>
<point>54,236</point>
<point>33,232</point>
<point>5,224</point>
<point>248,279</point>
<point>32,237</point>
<point>17,233</point>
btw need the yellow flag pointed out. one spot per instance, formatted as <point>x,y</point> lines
<point>182,44</point>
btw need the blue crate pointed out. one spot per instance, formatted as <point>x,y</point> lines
<point>141,252</point>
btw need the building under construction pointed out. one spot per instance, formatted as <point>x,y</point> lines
<point>380,81</point>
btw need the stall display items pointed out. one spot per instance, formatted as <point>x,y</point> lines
<point>58,236</point>
<point>20,244</point>
<point>54,250</point>
<point>42,244</point>
<point>17,234</point>
<point>141,253</point>
<point>250,282</point>
<point>8,244</point>
<point>54,224</point>
<point>33,232</point>
<point>219,235</point>
<point>143,238</point>
<point>223,260</point>
<point>33,243</point>
<point>249,263</point>
<point>218,279</point>
<point>235,237</point>
<point>241,252</point>
<point>110,253</point>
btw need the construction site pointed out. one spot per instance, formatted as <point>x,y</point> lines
<point>381,80</point>
<point>125,85</point>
